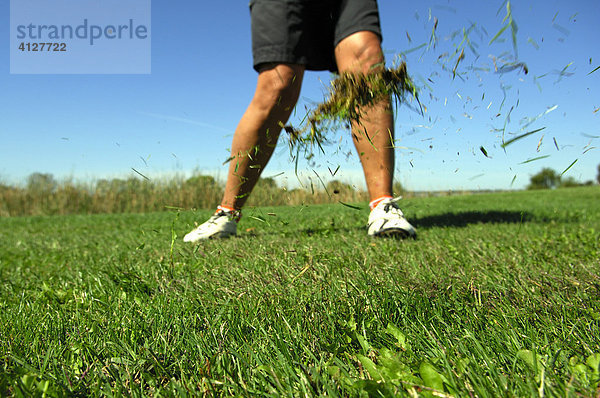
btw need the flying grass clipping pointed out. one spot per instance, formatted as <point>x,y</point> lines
<point>462,58</point>
<point>350,94</point>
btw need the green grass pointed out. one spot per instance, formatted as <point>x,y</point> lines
<point>499,296</point>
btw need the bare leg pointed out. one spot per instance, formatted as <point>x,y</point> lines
<point>373,135</point>
<point>256,135</point>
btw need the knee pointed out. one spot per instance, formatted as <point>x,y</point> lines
<point>369,57</point>
<point>278,87</point>
<point>360,53</point>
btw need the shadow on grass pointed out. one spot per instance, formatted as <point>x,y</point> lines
<point>464,218</point>
<point>303,232</point>
<point>454,219</point>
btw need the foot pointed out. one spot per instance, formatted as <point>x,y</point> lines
<point>222,224</point>
<point>386,219</point>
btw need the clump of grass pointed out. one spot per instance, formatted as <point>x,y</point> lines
<point>350,95</point>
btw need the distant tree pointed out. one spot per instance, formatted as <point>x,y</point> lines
<point>570,182</point>
<point>41,182</point>
<point>335,187</point>
<point>266,183</point>
<point>598,176</point>
<point>545,179</point>
<point>201,181</point>
<point>5,190</point>
<point>399,188</point>
<point>118,186</point>
<point>103,186</point>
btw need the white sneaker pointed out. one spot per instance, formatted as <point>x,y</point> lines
<point>222,224</point>
<point>386,219</point>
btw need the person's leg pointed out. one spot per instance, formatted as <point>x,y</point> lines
<point>256,135</point>
<point>374,138</point>
<point>373,134</point>
<point>254,141</point>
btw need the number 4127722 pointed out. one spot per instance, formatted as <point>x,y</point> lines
<point>43,46</point>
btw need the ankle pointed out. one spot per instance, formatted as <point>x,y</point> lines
<point>235,214</point>
<point>373,204</point>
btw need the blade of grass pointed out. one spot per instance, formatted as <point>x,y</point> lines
<point>146,178</point>
<point>567,169</point>
<point>519,137</point>
<point>349,205</point>
<point>534,159</point>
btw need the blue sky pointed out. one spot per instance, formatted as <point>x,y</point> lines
<point>180,118</point>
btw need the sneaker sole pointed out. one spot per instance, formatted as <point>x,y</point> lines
<point>395,233</point>
<point>221,235</point>
<point>218,235</point>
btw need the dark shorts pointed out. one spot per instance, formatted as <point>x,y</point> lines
<point>306,32</point>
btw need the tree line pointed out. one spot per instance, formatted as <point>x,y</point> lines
<point>548,178</point>
<point>42,194</point>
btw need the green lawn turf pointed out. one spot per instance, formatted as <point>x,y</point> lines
<point>499,296</point>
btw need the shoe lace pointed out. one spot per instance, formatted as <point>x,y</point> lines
<point>233,215</point>
<point>391,206</point>
<point>216,216</point>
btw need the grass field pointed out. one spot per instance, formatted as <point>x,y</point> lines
<point>499,296</point>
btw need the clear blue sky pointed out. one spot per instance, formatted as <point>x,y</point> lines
<point>181,116</point>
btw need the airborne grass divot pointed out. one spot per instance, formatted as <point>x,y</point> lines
<point>349,95</point>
